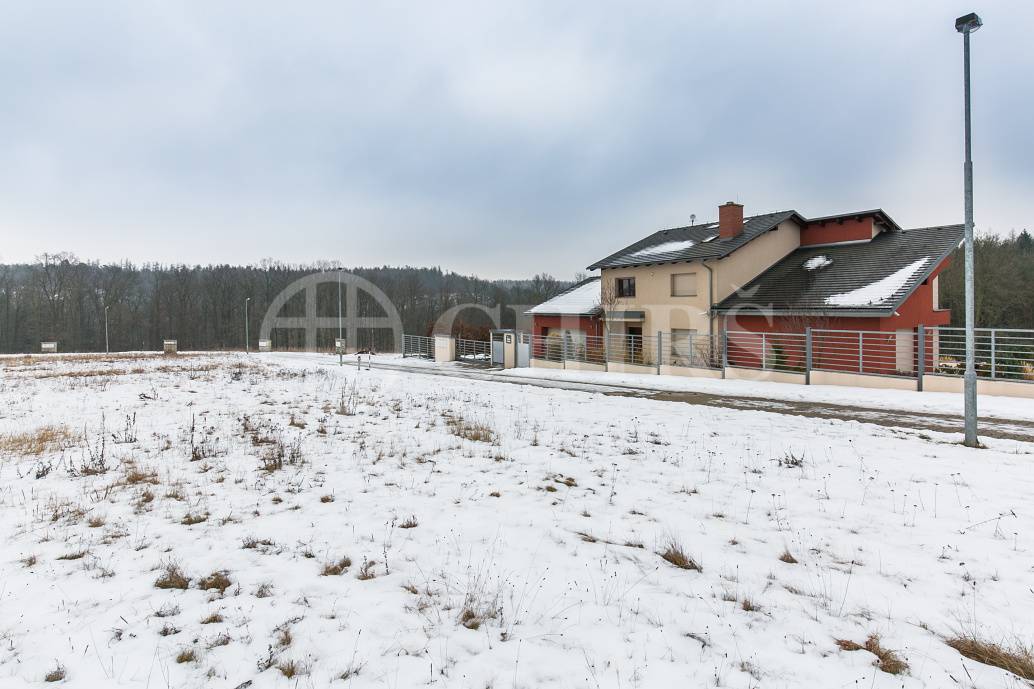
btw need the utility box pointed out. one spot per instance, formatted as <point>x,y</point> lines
<point>265,345</point>
<point>169,346</point>
<point>48,347</point>
<point>504,348</point>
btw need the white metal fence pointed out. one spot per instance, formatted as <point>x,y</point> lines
<point>418,346</point>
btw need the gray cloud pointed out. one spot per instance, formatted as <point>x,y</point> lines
<point>497,138</point>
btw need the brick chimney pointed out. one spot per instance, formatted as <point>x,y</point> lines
<point>730,220</point>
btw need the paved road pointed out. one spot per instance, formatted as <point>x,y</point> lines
<point>916,421</point>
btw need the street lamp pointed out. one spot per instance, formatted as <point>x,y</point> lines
<point>107,350</point>
<point>340,349</point>
<point>247,336</point>
<point>966,25</point>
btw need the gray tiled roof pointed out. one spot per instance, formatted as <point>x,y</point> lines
<point>692,243</point>
<point>868,278</point>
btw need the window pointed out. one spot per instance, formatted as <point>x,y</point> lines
<point>625,287</point>
<point>683,284</point>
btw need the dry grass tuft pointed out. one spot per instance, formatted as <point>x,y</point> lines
<point>55,675</point>
<point>1016,658</point>
<point>186,655</point>
<point>886,659</point>
<point>216,580</point>
<point>410,523</point>
<point>292,668</point>
<point>189,519</point>
<point>336,568</point>
<point>788,557</point>
<point>213,618</point>
<point>172,577</point>
<point>468,429</point>
<point>74,555</point>
<point>37,442</point>
<point>366,571</point>
<point>750,606</point>
<point>29,561</point>
<point>674,554</point>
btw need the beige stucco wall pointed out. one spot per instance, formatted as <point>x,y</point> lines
<point>862,381</point>
<point>584,366</point>
<point>614,367</point>
<point>756,374</point>
<point>1004,388</point>
<point>690,372</point>
<point>542,363</point>
<point>665,312</point>
<point>444,348</point>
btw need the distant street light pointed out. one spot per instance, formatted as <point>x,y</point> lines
<point>966,25</point>
<point>247,335</point>
<point>107,350</point>
<point>340,349</point>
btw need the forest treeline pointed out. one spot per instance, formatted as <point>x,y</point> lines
<point>61,298</point>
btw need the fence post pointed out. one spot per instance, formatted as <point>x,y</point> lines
<point>861,353</point>
<point>606,350</point>
<point>921,364</point>
<point>691,349</point>
<point>993,331</point>
<point>807,356</point>
<point>725,352</point>
<point>764,353</point>
<point>659,348</point>
<point>563,350</point>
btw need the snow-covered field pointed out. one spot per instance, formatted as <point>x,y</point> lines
<point>213,520</point>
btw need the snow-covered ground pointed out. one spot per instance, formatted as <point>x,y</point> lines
<point>496,535</point>
<point>937,402</point>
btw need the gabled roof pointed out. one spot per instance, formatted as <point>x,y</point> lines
<point>877,214</point>
<point>692,243</point>
<point>582,299</point>
<point>867,279</point>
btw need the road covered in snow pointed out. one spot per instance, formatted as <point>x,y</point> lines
<point>214,520</point>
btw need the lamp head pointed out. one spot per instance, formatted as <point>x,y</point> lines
<point>968,23</point>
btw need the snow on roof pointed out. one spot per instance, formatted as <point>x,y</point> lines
<point>816,262</point>
<point>664,248</point>
<point>582,299</point>
<point>878,292</point>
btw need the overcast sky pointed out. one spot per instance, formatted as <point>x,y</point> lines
<point>495,138</point>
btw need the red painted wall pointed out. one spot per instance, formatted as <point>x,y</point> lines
<point>587,324</point>
<point>836,231</point>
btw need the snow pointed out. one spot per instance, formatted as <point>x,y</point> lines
<point>578,301</point>
<point>664,248</point>
<point>816,262</point>
<point>880,291</point>
<point>543,538</point>
<point>937,402</point>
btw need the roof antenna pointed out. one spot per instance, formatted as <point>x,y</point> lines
<point>692,219</point>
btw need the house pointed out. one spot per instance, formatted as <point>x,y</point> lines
<point>574,315</point>
<point>777,273</point>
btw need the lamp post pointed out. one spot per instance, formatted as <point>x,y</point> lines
<point>247,335</point>
<point>340,350</point>
<point>107,350</point>
<point>966,25</point>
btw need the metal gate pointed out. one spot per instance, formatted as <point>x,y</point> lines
<point>523,350</point>
<point>474,352</point>
<point>498,349</point>
<point>417,345</point>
